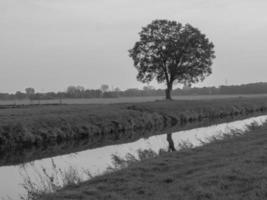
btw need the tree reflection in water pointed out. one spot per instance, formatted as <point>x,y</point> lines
<point>171,143</point>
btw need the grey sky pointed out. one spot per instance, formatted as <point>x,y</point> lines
<point>50,44</point>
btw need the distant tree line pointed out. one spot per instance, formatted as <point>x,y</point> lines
<point>105,92</point>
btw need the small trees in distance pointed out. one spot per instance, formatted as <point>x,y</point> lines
<point>104,88</point>
<point>20,95</point>
<point>75,91</point>
<point>30,93</point>
<point>172,53</point>
<point>117,89</point>
<point>148,88</point>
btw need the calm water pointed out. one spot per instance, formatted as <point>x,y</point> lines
<point>97,160</point>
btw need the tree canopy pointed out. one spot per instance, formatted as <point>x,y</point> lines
<point>172,53</point>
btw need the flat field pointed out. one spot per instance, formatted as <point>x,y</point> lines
<point>125,99</point>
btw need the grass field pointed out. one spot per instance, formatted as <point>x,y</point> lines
<point>124,99</point>
<point>234,168</point>
<point>34,125</point>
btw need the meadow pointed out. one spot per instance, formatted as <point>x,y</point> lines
<point>28,125</point>
<point>124,99</point>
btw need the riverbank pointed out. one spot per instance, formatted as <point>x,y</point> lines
<point>32,153</point>
<point>232,168</point>
<point>51,124</point>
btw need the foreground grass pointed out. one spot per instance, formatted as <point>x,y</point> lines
<point>35,125</point>
<point>233,168</point>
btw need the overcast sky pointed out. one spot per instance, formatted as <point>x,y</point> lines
<point>50,44</point>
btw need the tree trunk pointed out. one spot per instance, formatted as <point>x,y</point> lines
<point>168,92</point>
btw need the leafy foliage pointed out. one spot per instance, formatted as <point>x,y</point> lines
<point>172,53</point>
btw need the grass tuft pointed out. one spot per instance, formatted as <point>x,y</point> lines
<point>48,183</point>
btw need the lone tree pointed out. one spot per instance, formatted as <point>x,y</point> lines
<point>172,53</point>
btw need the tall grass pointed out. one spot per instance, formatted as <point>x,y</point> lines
<point>48,182</point>
<point>120,163</point>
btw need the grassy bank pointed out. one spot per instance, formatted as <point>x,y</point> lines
<point>233,168</point>
<point>34,125</point>
<point>16,156</point>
